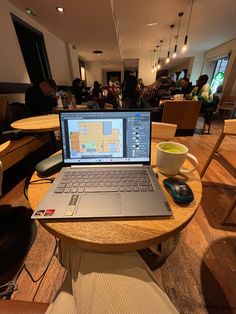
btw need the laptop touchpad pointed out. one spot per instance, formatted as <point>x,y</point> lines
<point>99,205</point>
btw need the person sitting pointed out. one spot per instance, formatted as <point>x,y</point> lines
<point>82,95</point>
<point>203,93</point>
<point>41,98</point>
<point>97,90</point>
<point>112,94</point>
<point>131,94</point>
<point>186,87</point>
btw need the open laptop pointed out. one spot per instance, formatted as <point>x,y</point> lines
<point>107,169</point>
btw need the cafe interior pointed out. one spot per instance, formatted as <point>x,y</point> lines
<point>136,212</point>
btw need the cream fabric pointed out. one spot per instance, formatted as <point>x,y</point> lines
<point>108,283</point>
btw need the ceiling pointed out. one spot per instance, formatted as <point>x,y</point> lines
<point>118,27</point>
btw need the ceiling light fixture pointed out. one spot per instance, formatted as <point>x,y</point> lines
<point>177,35</point>
<point>159,58</point>
<point>168,54</point>
<point>98,52</point>
<point>30,11</point>
<point>60,9</point>
<point>140,45</point>
<point>151,24</point>
<point>185,46</point>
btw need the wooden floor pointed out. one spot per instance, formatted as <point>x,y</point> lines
<point>199,277</point>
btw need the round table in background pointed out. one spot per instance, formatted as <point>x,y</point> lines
<point>44,123</point>
<point>121,235</point>
<point>4,148</point>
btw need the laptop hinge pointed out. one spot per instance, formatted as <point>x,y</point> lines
<point>106,166</point>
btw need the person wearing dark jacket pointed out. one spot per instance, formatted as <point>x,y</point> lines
<point>186,86</point>
<point>40,99</point>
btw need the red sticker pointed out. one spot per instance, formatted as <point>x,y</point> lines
<point>49,212</point>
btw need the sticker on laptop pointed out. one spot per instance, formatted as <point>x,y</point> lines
<point>39,212</point>
<point>49,212</point>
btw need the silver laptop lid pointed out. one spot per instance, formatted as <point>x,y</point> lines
<point>105,137</point>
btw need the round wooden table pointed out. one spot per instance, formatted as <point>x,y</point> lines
<point>121,235</point>
<point>45,123</point>
<point>4,148</point>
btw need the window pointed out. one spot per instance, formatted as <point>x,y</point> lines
<point>218,76</point>
<point>33,50</point>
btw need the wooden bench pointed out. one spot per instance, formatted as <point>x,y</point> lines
<point>21,148</point>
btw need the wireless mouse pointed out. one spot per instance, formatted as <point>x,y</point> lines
<point>179,190</point>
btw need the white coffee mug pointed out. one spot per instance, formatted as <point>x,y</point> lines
<point>171,156</point>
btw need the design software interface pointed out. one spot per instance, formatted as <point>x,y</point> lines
<point>105,137</point>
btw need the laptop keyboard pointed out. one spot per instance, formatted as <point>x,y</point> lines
<point>88,181</point>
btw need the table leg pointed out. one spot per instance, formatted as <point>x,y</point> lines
<point>156,256</point>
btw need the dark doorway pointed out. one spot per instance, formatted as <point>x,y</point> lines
<point>33,50</point>
<point>161,73</point>
<point>132,72</point>
<point>113,76</point>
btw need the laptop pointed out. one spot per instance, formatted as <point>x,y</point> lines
<point>107,170</point>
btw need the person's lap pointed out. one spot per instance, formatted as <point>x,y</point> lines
<point>108,283</point>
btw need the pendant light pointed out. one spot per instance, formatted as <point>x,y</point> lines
<point>168,54</point>
<point>186,36</point>
<point>177,36</point>
<point>159,58</point>
<point>154,61</point>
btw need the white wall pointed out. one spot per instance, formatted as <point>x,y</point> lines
<point>93,72</point>
<point>145,69</point>
<point>230,73</point>
<point>75,62</point>
<point>12,66</point>
<point>195,67</point>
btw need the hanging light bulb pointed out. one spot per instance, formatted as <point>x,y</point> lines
<point>185,46</point>
<point>159,57</point>
<point>177,35</point>
<point>154,61</point>
<point>168,58</point>
<point>168,54</point>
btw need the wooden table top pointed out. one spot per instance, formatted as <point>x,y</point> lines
<point>4,147</point>
<point>45,123</point>
<point>121,235</point>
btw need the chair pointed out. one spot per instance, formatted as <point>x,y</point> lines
<point>210,113</point>
<point>163,131</point>
<point>183,113</point>
<point>227,158</point>
<point>228,104</point>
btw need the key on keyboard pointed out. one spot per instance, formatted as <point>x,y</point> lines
<point>79,181</point>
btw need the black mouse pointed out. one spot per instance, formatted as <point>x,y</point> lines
<point>179,190</point>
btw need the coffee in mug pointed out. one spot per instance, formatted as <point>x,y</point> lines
<point>171,156</point>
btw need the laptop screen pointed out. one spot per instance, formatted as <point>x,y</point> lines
<point>105,137</point>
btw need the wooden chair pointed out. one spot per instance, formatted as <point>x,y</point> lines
<point>183,113</point>
<point>226,158</point>
<point>228,105</point>
<point>163,131</point>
